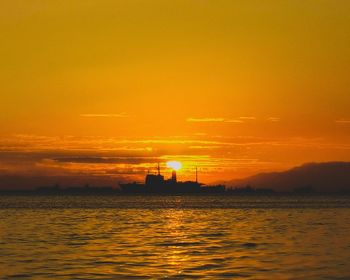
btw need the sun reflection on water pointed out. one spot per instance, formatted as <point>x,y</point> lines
<point>161,237</point>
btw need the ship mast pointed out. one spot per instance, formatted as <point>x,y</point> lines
<point>173,176</point>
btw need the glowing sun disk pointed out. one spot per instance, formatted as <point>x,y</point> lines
<point>175,165</point>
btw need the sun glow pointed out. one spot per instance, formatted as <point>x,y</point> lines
<point>175,165</point>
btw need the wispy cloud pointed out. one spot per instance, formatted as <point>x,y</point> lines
<point>89,157</point>
<point>107,160</point>
<point>204,147</point>
<point>229,120</point>
<point>219,120</point>
<point>239,120</point>
<point>120,115</point>
<point>247,118</point>
<point>343,121</point>
<point>273,119</point>
<point>206,119</point>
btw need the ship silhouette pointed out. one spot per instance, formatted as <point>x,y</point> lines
<point>156,184</point>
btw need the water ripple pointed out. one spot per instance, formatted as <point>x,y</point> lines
<point>174,238</point>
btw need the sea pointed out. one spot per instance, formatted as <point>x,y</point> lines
<point>174,237</point>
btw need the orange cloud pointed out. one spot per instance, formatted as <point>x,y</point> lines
<point>343,121</point>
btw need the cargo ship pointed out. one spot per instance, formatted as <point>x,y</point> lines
<point>155,183</point>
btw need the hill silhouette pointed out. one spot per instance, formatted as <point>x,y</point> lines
<point>322,177</point>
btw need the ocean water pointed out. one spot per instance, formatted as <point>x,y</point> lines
<point>174,237</point>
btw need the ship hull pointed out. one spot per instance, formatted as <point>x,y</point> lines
<point>177,188</point>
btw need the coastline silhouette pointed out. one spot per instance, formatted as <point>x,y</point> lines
<point>308,179</point>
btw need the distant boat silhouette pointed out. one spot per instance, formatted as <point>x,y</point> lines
<point>155,183</point>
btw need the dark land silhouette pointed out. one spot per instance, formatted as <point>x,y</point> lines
<point>307,179</point>
<point>328,177</point>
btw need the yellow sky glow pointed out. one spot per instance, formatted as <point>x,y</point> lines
<point>106,89</point>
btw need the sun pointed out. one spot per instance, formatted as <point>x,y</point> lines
<point>175,165</point>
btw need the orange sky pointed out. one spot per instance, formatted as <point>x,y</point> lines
<point>102,90</point>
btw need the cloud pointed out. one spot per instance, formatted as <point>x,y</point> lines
<point>247,118</point>
<point>273,119</point>
<point>107,160</point>
<point>343,121</point>
<point>199,147</point>
<point>120,115</point>
<point>234,120</point>
<point>205,119</point>
<point>217,120</point>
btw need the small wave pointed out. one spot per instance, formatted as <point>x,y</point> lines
<point>250,245</point>
<point>206,267</point>
<point>178,244</point>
